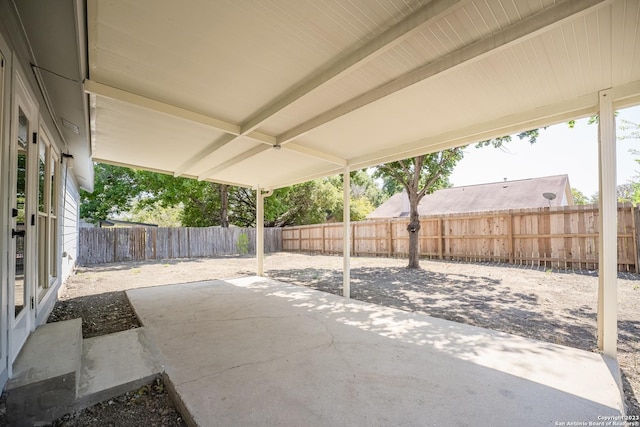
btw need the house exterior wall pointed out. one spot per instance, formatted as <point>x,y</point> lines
<point>15,52</point>
<point>70,224</point>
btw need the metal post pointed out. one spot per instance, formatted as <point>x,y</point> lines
<point>346,233</point>
<point>608,218</point>
<point>260,231</point>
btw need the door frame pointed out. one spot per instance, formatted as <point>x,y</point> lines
<point>20,326</point>
<point>5,114</point>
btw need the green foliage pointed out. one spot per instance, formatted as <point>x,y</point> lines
<point>592,120</point>
<point>308,203</point>
<point>629,130</point>
<point>162,216</point>
<point>358,209</point>
<point>423,174</point>
<point>168,201</point>
<point>532,135</point>
<point>365,195</point>
<point>629,192</point>
<point>363,186</point>
<point>578,197</point>
<point>199,200</point>
<point>114,191</point>
<point>243,244</point>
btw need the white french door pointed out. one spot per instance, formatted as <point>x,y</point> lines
<point>23,154</point>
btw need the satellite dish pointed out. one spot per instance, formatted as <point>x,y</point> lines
<point>549,197</point>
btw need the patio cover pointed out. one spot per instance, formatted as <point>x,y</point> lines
<point>212,89</point>
<point>266,94</point>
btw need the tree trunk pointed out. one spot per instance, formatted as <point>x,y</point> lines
<point>224,205</point>
<point>414,234</point>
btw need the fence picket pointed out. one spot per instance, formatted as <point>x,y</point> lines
<point>559,237</point>
<point>106,245</point>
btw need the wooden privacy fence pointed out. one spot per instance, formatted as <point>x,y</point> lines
<point>560,237</point>
<point>105,245</point>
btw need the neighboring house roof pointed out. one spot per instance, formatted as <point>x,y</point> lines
<point>519,194</point>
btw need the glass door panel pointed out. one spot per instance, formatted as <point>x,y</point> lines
<point>20,213</point>
<point>43,213</point>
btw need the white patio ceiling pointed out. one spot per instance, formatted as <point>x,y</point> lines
<point>207,88</point>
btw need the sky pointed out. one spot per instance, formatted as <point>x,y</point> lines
<point>559,150</point>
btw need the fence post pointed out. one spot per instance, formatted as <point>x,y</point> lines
<point>188,242</point>
<point>390,238</point>
<point>634,233</point>
<point>323,243</point>
<point>510,242</point>
<point>440,239</point>
<point>353,239</point>
<point>115,245</point>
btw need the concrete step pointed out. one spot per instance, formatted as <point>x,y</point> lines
<point>58,372</point>
<point>46,373</point>
<point>114,364</point>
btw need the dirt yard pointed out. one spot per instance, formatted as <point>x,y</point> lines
<point>549,305</point>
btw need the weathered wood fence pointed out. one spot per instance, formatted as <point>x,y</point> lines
<point>105,245</point>
<point>562,237</point>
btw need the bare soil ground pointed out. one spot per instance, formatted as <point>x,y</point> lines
<point>549,305</point>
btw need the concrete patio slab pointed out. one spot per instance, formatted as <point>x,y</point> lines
<point>253,351</point>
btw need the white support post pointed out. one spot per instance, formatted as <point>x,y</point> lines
<point>260,231</point>
<point>346,233</point>
<point>608,219</point>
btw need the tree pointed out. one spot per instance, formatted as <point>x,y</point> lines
<point>161,216</point>
<point>532,135</point>
<point>311,202</point>
<point>578,197</point>
<point>201,201</point>
<point>420,176</point>
<point>629,130</point>
<point>424,174</point>
<point>365,195</point>
<point>115,188</point>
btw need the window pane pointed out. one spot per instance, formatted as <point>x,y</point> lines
<point>42,191</point>
<point>20,294</point>
<point>43,276</point>
<point>53,248</point>
<point>53,170</point>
